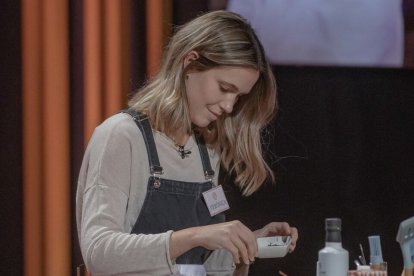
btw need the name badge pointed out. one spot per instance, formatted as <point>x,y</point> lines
<point>216,200</point>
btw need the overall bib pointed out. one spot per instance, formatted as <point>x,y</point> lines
<point>171,204</point>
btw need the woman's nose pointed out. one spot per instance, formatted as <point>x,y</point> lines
<point>228,103</point>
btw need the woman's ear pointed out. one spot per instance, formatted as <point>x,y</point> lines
<point>190,57</point>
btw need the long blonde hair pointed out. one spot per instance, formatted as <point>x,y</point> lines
<point>220,38</point>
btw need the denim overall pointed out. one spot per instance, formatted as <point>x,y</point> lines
<point>172,204</point>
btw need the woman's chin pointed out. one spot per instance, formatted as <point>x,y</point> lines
<point>202,123</point>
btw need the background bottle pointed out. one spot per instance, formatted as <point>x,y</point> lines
<point>333,260</point>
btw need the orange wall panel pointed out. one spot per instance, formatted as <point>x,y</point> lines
<point>32,137</point>
<point>159,21</point>
<point>113,56</point>
<point>56,137</point>
<point>46,157</point>
<point>93,80</point>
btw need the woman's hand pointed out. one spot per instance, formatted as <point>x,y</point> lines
<point>233,236</point>
<point>279,229</point>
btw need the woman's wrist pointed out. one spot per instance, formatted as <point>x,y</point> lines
<point>183,241</point>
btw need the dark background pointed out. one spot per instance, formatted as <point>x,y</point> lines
<point>349,133</point>
<point>11,210</point>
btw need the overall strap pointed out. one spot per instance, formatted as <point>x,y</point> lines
<point>208,171</point>
<point>143,124</point>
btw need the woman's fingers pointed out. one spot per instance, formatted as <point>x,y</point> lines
<point>233,236</point>
<point>245,240</point>
<point>249,238</point>
<point>275,228</point>
<point>242,249</point>
<point>233,249</point>
<point>240,241</point>
<point>279,228</point>
<point>295,235</point>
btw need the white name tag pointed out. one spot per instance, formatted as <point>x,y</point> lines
<point>216,200</point>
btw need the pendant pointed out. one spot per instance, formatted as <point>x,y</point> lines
<point>183,152</point>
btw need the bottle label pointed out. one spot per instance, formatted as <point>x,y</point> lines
<point>333,264</point>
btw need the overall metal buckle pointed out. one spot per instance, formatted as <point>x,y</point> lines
<point>156,172</point>
<point>209,174</point>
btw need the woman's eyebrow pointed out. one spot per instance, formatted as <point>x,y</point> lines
<point>232,86</point>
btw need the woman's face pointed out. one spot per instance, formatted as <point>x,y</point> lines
<point>214,92</point>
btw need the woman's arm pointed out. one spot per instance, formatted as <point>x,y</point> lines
<point>103,200</point>
<point>233,236</point>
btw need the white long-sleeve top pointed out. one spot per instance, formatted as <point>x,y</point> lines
<point>112,187</point>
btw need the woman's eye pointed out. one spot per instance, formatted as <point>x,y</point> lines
<point>224,89</point>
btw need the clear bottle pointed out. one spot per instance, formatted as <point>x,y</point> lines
<point>333,260</point>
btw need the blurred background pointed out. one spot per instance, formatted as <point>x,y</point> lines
<point>342,144</point>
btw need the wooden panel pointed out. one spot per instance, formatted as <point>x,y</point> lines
<point>46,137</point>
<point>93,80</point>
<point>56,138</point>
<point>159,18</point>
<point>106,46</point>
<point>32,136</point>
<point>112,53</point>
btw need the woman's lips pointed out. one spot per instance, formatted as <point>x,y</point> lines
<point>215,115</point>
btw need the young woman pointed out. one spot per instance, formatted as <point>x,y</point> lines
<point>148,201</point>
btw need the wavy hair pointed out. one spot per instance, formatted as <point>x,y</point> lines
<point>220,38</point>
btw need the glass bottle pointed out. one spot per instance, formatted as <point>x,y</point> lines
<point>333,260</point>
